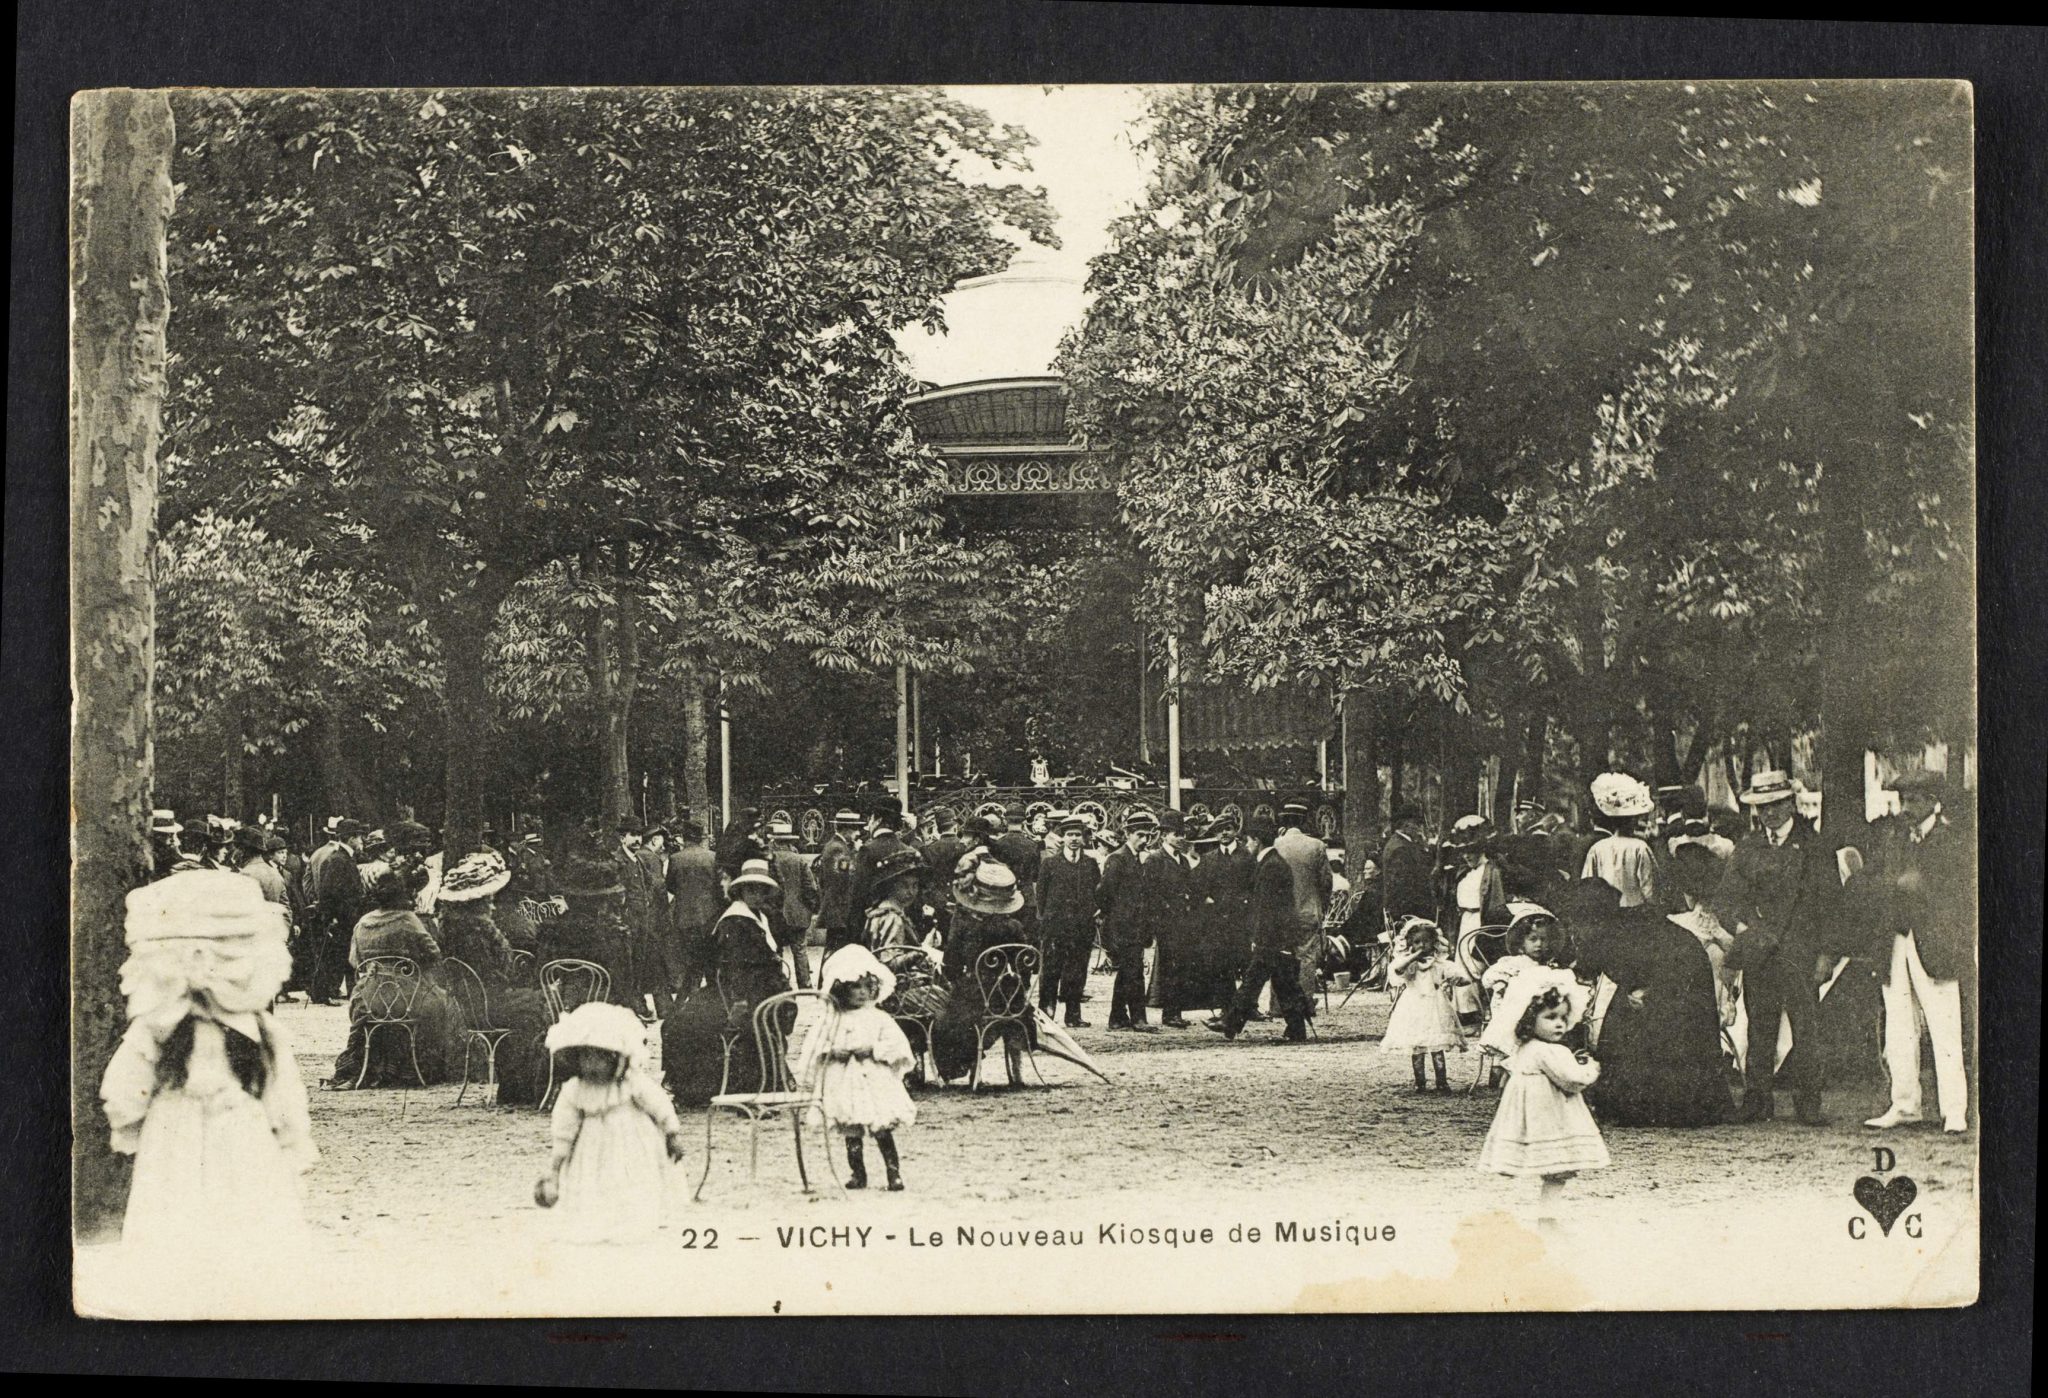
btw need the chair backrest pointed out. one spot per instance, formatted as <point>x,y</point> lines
<point>471,998</point>
<point>1002,975</point>
<point>1480,948</point>
<point>568,982</point>
<point>522,962</point>
<point>539,911</point>
<point>903,960</point>
<point>775,1024</point>
<point>386,988</point>
<point>1339,911</point>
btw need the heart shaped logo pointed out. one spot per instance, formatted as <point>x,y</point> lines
<point>1885,1200</point>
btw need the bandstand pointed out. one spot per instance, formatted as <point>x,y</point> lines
<point>997,415</point>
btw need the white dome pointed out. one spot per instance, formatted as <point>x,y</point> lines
<point>1007,326</point>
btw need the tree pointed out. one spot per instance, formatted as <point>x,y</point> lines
<point>450,340</point>
<point>1490,391</point>
<point>121,200</point>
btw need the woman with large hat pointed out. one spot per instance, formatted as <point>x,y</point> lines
<point>898,875</point>
<point>746,968</point>
<point>986,901</point>
<point>465,906</point>
<point>1622,858</point>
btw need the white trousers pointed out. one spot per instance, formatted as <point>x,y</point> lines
<point>1911,998</point>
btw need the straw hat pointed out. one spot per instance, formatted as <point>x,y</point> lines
<point>1768,787</point>
<point>991,889</point>
<point>1470,832</point>
<point>1140,819</point>
<point>754,871</point>
<point>475,877</point>
<point>1621,795</point>
<point>163,821</point>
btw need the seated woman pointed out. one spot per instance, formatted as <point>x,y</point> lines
<point>985,902</point>
<point>1660,1039</point>
<point>469,933</point>
<point>392,928</point>
<point>747,968</point>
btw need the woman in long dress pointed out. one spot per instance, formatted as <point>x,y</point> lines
<point>717,1017</point>
<point>466,908</point>
<point>1660,1038</point>
<point>393,928</point>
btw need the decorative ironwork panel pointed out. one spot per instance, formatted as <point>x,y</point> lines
<point>1030,475</point>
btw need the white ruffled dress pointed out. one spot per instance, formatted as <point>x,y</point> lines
<point>1543,1126</point>
<point>856,1060</point>
<point>618,1159</point>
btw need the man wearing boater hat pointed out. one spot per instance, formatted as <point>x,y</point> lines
<point>1118,898</point>
<point>1770,901</point>
<point>1923,882</point>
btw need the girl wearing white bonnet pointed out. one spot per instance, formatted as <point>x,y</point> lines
<point>203,1089</point>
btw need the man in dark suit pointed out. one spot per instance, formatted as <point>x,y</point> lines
<point>696,896</point>
<point>831,878</point>
<point>1118,899</point>
<point>1923,918</point>
<point>941,854</point>
<point>1020,850</point>
<point>792,915</point>
<point>1771,899</point>
<point>335,889</point>
<point>1066,889</point>
<point>1164,885</point>
<point>1274,941</point>
<point>885,837</point>
<point>1407,870</point>
<point>740,842</point>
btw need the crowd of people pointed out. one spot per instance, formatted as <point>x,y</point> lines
<point>1634,975</point>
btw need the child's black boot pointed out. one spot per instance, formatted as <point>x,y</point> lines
<point>1421,1073</point>
<point>856,1161</point>
<point>887,1142</point>
<point>1443,1079</point>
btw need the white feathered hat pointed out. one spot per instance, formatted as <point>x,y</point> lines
<point>1619,794</point>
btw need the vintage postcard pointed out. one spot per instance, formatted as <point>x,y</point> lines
<point>981,700</point>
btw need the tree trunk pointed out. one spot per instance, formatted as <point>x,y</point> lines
<point>461,628</point>
<point>1847,719</point>
<point>231,783</point>
<point>1361,773</point>
<point>696,751</point>
<point>120,297</point>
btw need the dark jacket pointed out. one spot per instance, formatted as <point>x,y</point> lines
<point>1941,912</point>
<point>695,895</point>
<point>1773,898</point>
<point>1164,885</point>
<point>1066,894</point>
<point>1020,850</point>
<point>1272,904</point>
<point>334,887</point>
<point>831,875</point>
<point>1407,879</point>
<point>794,915</point>
<point>736,847</point>
<point>863,893</point>
<point>1117,898</point>
<point>747,968</point>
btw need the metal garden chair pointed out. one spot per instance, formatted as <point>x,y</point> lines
<point>565,984</point>
<point>473,1001</point>
<point>388,989</point>
<point>779,1094</point>
<point>1002,978</point>
<point>897,959</point>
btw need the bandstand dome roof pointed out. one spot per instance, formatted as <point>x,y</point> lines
<point>989,374</point>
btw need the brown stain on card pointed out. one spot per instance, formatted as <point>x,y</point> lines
<point>1502,1265</point>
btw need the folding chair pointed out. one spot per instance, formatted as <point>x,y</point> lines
<point>779,1094</point>
<point>1002,978</point>
<point>473,1001</point>
<point>388,989</point>
<point>565,984</point>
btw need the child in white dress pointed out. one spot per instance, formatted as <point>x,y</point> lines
<point>1543,1127</point>
<point>610,1125</point>
<point>1424,1023</point>
<point>855,1058</point>
<point>203,1089</point>
<point>1534,941</point>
